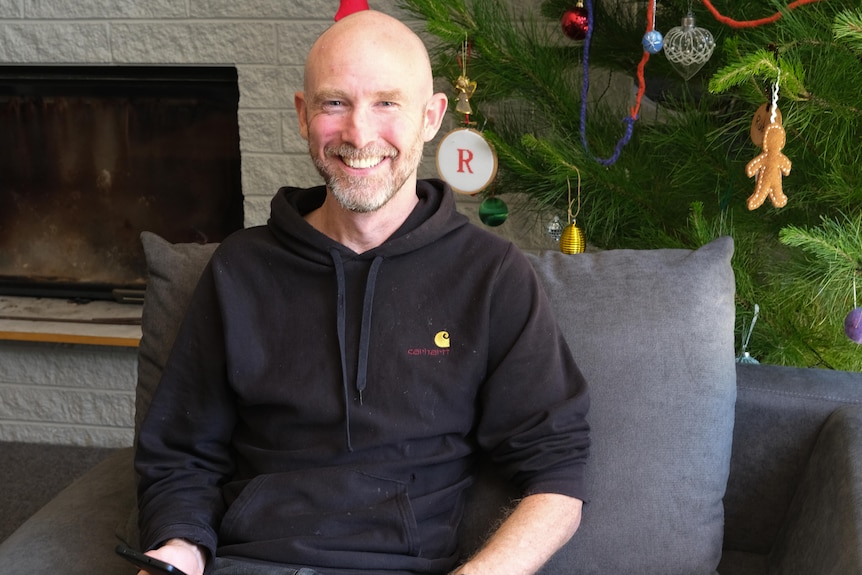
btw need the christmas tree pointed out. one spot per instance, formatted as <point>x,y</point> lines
<point>668,168</point>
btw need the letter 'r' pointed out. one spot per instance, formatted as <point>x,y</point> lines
<point>465,156</point>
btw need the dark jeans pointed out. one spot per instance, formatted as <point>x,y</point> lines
<point>225,566</point>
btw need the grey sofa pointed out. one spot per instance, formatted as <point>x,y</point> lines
<point>699,464</point>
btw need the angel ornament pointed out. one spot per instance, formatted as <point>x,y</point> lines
<point>466,88</point>
<point>464,85</point>
<point>769,166</point>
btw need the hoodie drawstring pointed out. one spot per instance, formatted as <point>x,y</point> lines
<point>365,327</point>
<point>364,332</point>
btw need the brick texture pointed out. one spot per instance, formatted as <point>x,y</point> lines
<point>76,395</point>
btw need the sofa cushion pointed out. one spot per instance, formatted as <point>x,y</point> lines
<point>174,271</point>
<point>652,331</point>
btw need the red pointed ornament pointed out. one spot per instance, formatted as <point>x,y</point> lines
<point>348,7</point>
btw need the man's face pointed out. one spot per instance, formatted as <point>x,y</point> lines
<point>365,115</point>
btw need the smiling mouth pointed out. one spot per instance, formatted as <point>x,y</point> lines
<point>361,159</point>
<point>362,163</point>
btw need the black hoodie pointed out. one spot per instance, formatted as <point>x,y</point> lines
<point>323,408</point>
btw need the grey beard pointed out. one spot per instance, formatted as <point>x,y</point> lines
<point>357,194</point>
<point>351,191</point>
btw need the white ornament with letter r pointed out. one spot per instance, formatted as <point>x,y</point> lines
<point>466,161</point>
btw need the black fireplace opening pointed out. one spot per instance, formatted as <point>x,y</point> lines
<point>91,156</point>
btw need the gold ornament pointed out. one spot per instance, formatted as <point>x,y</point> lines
<point>464,85</point>
<point>573,240</point>
<point>466,88</point>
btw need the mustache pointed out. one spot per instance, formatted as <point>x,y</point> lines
<point>352,152</point>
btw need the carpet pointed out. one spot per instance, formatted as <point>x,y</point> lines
<point>32,474</point>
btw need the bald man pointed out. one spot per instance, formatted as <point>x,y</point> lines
<point>340,368</point>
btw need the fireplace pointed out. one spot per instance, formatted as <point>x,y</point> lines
<point>90,156</point>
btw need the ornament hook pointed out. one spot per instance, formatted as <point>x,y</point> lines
<point>751,327</point>
<point>774,100</point>
<point>572,238</point>
<point>569,184</point>
<point>745,357</point>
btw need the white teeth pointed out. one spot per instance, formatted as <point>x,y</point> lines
<point>362,163</point>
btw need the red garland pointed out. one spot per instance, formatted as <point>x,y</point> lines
<point>643,62</point>
<point>752,23</point>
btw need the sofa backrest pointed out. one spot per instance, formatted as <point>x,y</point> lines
<point>652,331</point>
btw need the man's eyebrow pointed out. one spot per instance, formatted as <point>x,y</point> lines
<point>389,96</point>
<point>326,95</point>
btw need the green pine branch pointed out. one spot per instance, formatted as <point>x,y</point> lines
<point>847,28</point>
<point>760,66</point>
<point>680,181</point>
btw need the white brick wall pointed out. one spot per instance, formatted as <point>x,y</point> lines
<point>76,395</point>
<point>85,395</point>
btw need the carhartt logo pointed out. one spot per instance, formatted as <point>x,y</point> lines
<point>441,340</point>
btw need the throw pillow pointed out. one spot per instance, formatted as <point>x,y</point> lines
<point>174,271</point>
<point>652,331</point>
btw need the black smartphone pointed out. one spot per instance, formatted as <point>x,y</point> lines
<point>147,563</point>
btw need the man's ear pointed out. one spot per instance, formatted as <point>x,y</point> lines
<point>435,110</point>
<point>299,103</point>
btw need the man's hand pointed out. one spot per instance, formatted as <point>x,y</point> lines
<point>185,556</point>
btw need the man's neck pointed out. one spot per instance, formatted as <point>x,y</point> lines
<point>362,231</point>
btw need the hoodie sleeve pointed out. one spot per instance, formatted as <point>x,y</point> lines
<point>182,455</point>
<point>534,400</point>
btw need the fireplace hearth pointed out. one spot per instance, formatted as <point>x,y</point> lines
<point>91,156</point>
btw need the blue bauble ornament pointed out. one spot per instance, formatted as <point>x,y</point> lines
<point>653,41</point>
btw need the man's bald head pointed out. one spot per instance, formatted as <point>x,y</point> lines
<point>372,34</point>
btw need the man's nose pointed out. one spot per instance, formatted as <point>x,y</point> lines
<point>359,128</point>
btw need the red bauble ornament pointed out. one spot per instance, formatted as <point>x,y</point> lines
<point>575,23</point>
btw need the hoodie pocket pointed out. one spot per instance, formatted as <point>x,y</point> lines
<point>327,510</point>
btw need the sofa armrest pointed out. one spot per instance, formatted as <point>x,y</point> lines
<point>779,414</point>
<point>75,533</point>
<point>823,529</point>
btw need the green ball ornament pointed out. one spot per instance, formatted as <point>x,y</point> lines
<point>493,211</point>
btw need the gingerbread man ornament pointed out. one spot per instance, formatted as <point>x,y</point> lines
<point>769,166</point>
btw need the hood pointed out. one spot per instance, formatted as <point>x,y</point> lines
<point>432,218</point>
